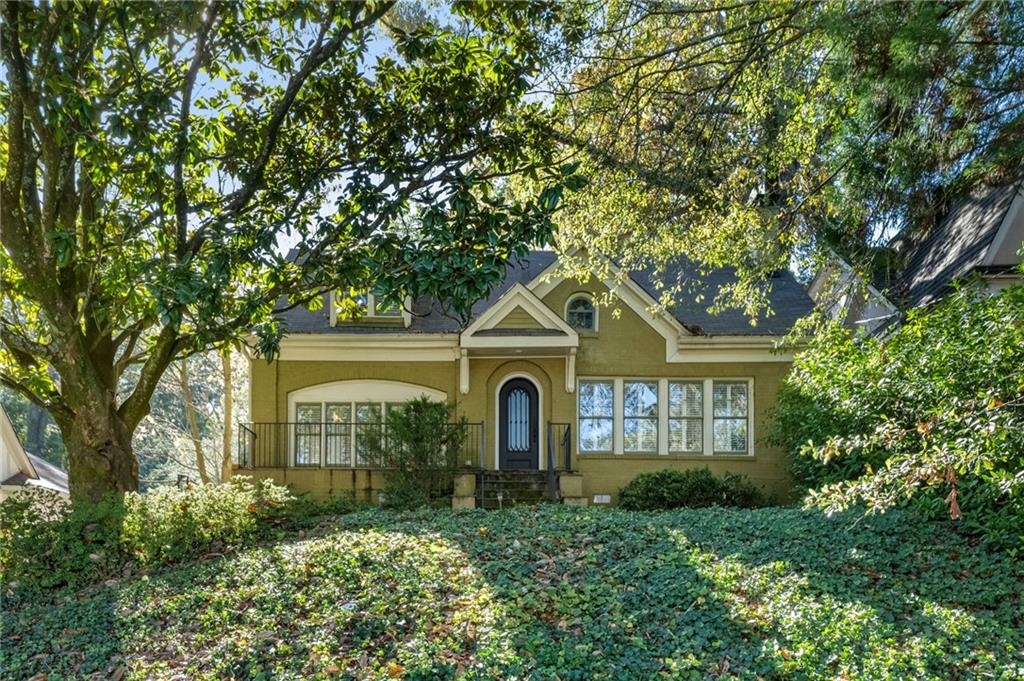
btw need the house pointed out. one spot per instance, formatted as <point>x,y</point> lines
<point>549,379</point>
<point>981,236</point>
<point>20,469</point>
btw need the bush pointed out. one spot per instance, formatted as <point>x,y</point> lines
<point>420,452</point>
<point>932,416</point>
<point>694,488</point>
<point>47,543</point>
<point>170,524</point>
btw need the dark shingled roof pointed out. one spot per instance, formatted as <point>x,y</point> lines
<point>789,302</point>
<point>50,476</point>
<point>954,247</point>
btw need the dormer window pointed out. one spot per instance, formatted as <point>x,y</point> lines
<point>580,313</point>
<point>377,307</point>
<point>347,308</point>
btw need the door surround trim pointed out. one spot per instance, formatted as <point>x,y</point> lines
<point>541,433</point>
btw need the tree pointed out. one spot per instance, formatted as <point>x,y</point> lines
<point>156,156</point>
<point>933,415</point>
<point>189,428</point>
<point>743,134</point>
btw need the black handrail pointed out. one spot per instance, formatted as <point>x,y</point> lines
<point>560,434</point>
<point>552,473</point>
<point>335,445</point>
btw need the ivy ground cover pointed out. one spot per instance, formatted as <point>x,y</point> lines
<point>557,593</point>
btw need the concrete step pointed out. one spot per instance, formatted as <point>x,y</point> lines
<point>516,488</point>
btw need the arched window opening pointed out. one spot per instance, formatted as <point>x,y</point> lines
<point>581,314</point>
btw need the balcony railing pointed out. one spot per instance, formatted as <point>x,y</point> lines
<point>345,445</point>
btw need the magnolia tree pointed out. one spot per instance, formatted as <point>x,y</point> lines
<point>157,157</point>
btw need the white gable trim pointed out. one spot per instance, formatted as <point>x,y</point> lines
<point>634,297</point>
<point>520,296</point>
<point>1009,220</point>
<point>369,347</point>
<point>12,449</point>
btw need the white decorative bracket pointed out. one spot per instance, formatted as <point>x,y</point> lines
<point>464,371</point>
<point>570,371</point>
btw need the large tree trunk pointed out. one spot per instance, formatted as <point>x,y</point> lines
<point>229,415</point>
<point>99,451</point>
<point>97,432</point>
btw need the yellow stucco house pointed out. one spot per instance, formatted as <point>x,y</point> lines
<point>549,376</point>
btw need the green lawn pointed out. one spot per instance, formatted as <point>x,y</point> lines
<point>553,593</point>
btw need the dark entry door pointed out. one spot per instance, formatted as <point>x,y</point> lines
<point>517,425</point>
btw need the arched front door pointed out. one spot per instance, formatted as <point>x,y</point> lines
<point>517,425</point>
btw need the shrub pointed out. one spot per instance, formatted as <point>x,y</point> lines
<point>169,524</point>
<point>932,416</point>
<point>694,488</point>
<point>420,452</point>
<point>47,543</point>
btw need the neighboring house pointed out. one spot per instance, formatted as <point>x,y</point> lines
<point>981,236</point>
<point>546,378</point>
<point>20,469</point>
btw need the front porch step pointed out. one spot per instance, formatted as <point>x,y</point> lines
<point>516,488</point>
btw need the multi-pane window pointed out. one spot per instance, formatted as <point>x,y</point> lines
<point>351,306</point>
<point>580,314</point>
<point>730,407</point>
<point>369,430</point>
<point>686,417</point>
<point>338,434</point>
<point>344,432</point>
<point>700,416</point>
<point>597,416</point>
<point>640,416</point>
<point>307,433</point>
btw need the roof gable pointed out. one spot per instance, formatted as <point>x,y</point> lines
<point>957,245</point>
<point>520,312</point>
<point>537,272</point>
<point>519,318</point>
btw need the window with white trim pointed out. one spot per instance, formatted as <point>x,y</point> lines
<point>700,417</point>
<point>596,416</point>
<point>348,307</point>
<point>340,430</point>
<point>378,307</point>
<point>686,417</point>
<point>640,416</point>
<point>580,313</point>
<point>730,406</point>
<point>338,434</point>
<point>308,419</point>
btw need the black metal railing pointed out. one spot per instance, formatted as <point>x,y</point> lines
<point>345,445</point>
<point>559,455</point>
<point>560,444</point>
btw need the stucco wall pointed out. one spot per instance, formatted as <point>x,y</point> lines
<point>624,347</point>
<point>270,383</point>
<point>363,485</point>
<point>627,347</point>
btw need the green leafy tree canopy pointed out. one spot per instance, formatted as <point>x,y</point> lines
<point>157,157</point>
<point>750,134</point>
